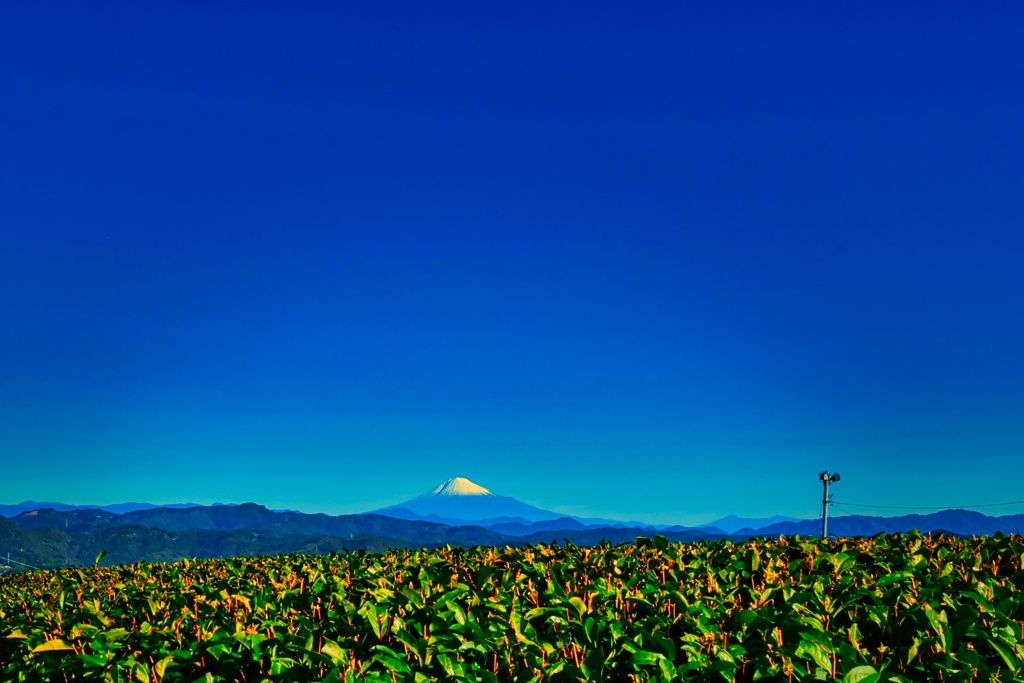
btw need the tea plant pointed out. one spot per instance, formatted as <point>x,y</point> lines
<point>897,608</point>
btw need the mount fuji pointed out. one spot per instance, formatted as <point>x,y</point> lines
<point>458,501</point>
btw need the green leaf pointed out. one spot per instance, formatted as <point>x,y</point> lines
<point>939,624</point>
<point>450,666</point>
<point>643,658</point>
<point>814,622</point>
<point>894,577</point>
<point>460,616</point>
<point>113,634</point>
<point>1004,652</point>
<point>337,654</point>
<point>390,660</point>
<point>100,556</point>
<point>55,645</point>
<point>809,649</point>
<point>161,666</point>
<point>861,674</point>
<point>668,673</point>
<point>278,665</point>
<point>374,617</point>
<point>912,651</point>
<point>753,559</point>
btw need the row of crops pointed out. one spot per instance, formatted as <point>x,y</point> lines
<point>896,608</point>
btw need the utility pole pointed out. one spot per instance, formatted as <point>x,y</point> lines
<point>826,500</point>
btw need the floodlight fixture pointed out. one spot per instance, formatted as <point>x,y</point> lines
<point>835,477</point>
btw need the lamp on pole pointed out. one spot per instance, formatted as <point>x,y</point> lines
<point>826,500</point>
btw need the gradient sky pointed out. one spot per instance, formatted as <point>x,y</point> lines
<point>664,263</point>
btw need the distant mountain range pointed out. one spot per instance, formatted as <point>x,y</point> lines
<point>457,512</point>
<point>458,501</point>
<point>958,522</point>
<point>50,538</point>
<point>732,523</point>
<point>119,508</point>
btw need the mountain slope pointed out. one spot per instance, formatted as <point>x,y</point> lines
<point>50,538</point>
<point>45,549</point>
<point>459,499</point>
<point>252,517</point>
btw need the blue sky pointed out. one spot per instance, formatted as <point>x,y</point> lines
<point>662,265</point>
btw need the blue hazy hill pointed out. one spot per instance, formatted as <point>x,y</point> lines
<point>732,523</point>
<point>116,508</point>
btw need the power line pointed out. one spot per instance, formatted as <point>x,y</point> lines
<point>931,507</point>
<point>23,564</point>
<point>839,507</point>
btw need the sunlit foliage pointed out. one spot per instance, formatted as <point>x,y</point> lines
<point>897,608</point>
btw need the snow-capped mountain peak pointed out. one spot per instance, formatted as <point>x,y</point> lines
<point>460,486</point>
<point>461,501</point>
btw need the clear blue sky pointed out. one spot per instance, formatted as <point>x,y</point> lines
<point>662,263</point>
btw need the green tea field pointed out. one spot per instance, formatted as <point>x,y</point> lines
<point>887,608</point>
